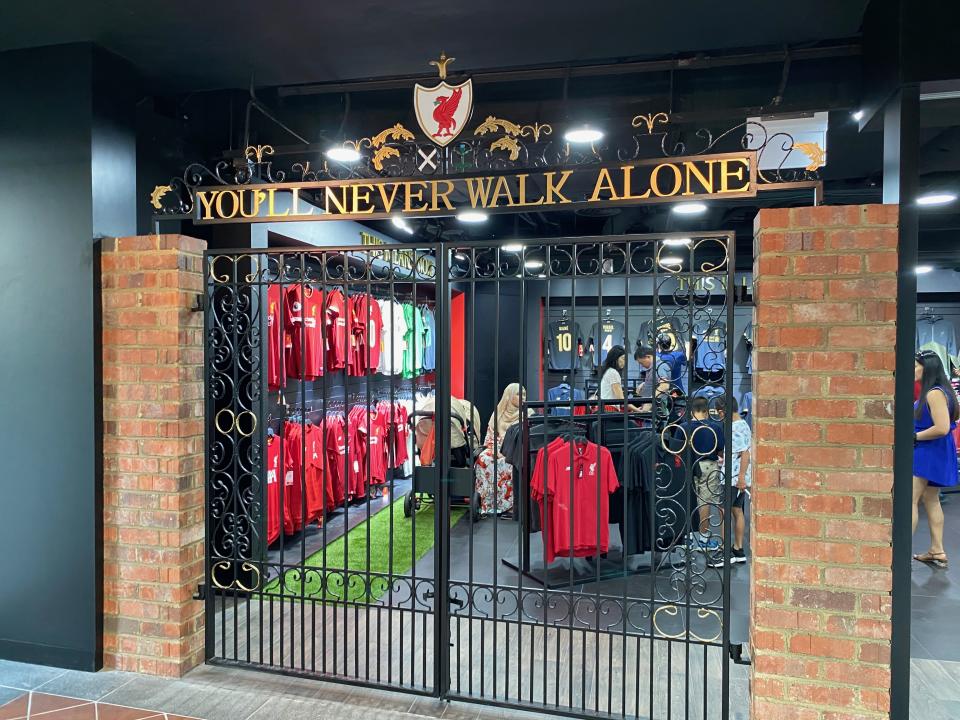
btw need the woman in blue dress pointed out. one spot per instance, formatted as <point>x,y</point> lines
<point>935,451</point>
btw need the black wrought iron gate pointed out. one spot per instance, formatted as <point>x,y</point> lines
<point>570,524</point>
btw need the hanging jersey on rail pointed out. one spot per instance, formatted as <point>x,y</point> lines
<point>273,485</point>
<point>304,320</point>
<point>336,322</point>
<point>563,339</point>
<point>603,336</point>
<point>711,355</point>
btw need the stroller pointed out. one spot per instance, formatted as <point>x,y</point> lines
<point>426,477</point>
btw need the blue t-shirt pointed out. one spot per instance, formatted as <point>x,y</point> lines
<point>709,392</point>
<point>562,393</point>
<point>429,339</point>
<point>677,362</point>
<point>746,408</point>
<point>705,436</point>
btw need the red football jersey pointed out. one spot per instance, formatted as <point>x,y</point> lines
<point>335,448</point>
<point>356,453</point>
<point>336,332</point>
<point>305,325</point>
<point>276,370</point>
<point>377,449</point>
<point>293,485</point>
<point>273,486</point>
<point>366,326</point>
<point>319,494</point>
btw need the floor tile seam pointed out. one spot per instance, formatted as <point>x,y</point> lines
<point>29,689</point>
<point>103,701</point>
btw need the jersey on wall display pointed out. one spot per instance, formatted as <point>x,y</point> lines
<point>710,358</point>
<point>564,345</point>
<point>603,336</point>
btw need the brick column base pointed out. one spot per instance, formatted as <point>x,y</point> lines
<point>826,295</point>
<point>153,453</point>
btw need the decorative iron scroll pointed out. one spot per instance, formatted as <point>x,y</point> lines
<point>495,145</point>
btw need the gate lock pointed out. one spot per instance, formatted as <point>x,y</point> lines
<point>430,595</point>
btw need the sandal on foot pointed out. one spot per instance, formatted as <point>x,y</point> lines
<point>938,560</point>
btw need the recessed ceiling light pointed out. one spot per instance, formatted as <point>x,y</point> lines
<point>921,269</point>
<point>858,115</point>
<point>671,260</point>
<point>399,222</point>
<point>460,256</point>
<point>512,247</point>
<point>936,198</point>
<point>342,154</point>
<point>677,241</point>
<point>583,134</point>
<point>533,264</point>
<point>471,216</point>
<point>542,275</point>
<point>690,208</point>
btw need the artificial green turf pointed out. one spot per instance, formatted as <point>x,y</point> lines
<point>309,584</point>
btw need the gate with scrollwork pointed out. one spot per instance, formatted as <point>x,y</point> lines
<point>550,539</point>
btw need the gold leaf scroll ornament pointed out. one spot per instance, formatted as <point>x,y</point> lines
<point>814,152</point>
<point>507,143</point>
<point>382,154</point>
<point>494,124</point>
<point>158,192</point>
<point>397,132</point>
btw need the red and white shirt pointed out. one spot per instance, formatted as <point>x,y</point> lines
<point>273,486</point>
<point>336,333</point>
<point>305,325</point>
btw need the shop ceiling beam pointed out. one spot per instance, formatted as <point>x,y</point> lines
<point>559,72</point>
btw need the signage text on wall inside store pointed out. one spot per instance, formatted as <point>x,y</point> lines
<point>683,178</point>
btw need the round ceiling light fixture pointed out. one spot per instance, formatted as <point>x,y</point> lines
<point>936,198</point>
<point>402,224</point>
<point>533,264</point>
<point>923,269</point>
<point>690,208</point>
<point>675,242</point>
<point>512,247</point>
<point>671,260</point>
<point>340,153</point>
<point>471,216</point>
<point>582,135</point>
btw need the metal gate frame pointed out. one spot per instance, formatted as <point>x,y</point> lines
<point>243,421</point>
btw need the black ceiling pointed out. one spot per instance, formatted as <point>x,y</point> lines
<point>188,46</point>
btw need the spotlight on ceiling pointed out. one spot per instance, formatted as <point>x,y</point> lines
<point>671,260</point>
<point>399,222</point>
<point>677,241</point>
<point>460,256</point>
<point>471,216</point>
<point>690,208</point>
<point>583,134</point>
<point>936,198</point>
<point>533,264</point>
<point>858,115</point>
<point>922,269</point>
<point>342,154</point>
<point>512,247</point>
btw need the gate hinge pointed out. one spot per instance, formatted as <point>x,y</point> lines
<point>736,654</point>
<point>199,303</point>
<point>201,593</point>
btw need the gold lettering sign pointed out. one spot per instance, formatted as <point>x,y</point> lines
<point>726,175</point>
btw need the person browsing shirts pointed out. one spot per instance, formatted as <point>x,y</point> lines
<point>611,384</point>
<point>493,474</point>
<point>703,436</point>
<point>935,417</point>
<point>645,355</point>
<point>740,479</point>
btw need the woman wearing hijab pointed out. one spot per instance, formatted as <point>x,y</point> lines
<point>494,475</point>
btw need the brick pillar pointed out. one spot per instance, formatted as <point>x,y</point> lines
<point>823,484</point>
<point>153,453</point>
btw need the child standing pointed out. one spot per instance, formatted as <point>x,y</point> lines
<point>741,477</point>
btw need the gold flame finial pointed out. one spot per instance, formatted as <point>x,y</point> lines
<point>441,64</point>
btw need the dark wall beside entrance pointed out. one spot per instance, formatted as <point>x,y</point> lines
<point>69,164</point>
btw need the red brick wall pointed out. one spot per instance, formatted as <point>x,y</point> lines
<point>823,482</point>
<point>153,453</point>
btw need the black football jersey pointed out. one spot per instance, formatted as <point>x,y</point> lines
<point>563,342</point>
<point>671,327</point>
<point>604,335</point>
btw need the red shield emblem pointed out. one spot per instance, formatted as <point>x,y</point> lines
<point>443,110</point>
